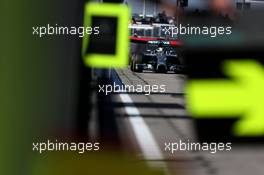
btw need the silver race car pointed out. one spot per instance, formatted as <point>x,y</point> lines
<point>158,56</point>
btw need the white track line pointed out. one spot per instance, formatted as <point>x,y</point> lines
<point>148,145</point>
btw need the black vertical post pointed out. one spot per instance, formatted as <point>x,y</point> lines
<point>84,92</point>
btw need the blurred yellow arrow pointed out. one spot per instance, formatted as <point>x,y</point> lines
<point>220,98</point>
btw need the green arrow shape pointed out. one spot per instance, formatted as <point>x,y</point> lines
<point>221,98</point>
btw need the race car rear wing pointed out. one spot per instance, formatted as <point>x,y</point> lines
<point>134,39</point>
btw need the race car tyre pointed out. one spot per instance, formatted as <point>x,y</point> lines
<point>132,63</point>
<point>132,66</point>
<point>137,60</point>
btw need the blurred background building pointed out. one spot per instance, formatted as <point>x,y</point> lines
<point>153,7</point>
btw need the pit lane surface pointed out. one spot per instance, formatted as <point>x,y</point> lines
<point>147,122</point>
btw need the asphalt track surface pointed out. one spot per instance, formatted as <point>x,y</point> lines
<point>147,122</point>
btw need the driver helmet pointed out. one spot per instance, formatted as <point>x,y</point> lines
<point>160,48</point>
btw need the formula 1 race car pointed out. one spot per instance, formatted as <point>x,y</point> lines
<point>158,56</point>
